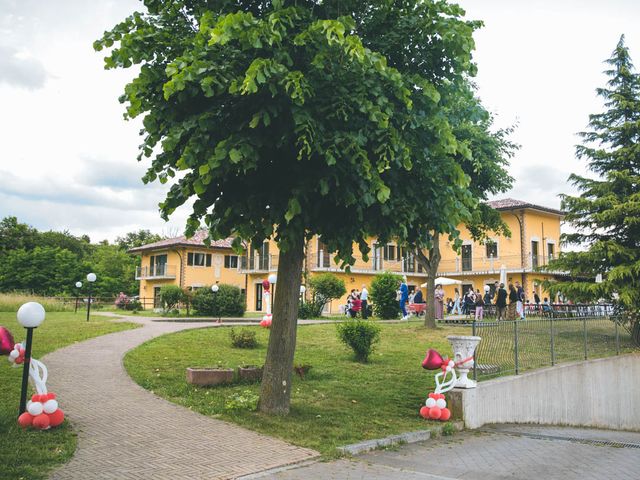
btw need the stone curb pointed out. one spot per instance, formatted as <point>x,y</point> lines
<point>402,438</point>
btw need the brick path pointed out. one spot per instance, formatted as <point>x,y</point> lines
<point>126,432</point>
<point>504,452</point>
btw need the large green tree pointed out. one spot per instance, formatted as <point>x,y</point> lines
<point>290,118</point>
<point>606,215</point>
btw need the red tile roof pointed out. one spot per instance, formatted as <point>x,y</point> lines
<point>512,204</point>
<point>196,241</point>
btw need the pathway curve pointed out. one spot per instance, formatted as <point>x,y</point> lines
<point>126,432</point>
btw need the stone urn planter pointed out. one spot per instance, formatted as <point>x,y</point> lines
<point>250,373</point>
<point>464,348</point>
<point>207,377</point>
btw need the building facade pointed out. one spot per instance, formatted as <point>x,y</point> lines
<point>535,239</point>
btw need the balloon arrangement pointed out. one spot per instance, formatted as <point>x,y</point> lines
<point>43,411</point>
<point>435,407</point>
<point>266,320</point>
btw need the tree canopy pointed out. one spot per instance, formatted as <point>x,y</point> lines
<point>606,215</point>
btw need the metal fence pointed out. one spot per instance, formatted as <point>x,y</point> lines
<point>511,347</point>
<point>532,310</point>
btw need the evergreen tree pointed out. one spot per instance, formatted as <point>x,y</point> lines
<point>606,215</point>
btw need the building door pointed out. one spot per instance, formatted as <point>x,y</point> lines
<point>157,302</point>
<point>157,265</point>
<point>466,258</point>
<point>258,297</point>
<point>534,253</point>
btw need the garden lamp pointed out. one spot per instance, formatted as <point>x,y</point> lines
<point>78,287</point>
<point>91,278</point>
<point>214,289</point>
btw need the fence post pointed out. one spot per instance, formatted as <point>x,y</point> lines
<point>617,337</point>
<point>584,327</point>
<point>515,338</point>
<point>553,346</point>
<point>475,353</point>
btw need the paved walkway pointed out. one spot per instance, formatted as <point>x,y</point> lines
<point>499,453</point>
<point>126,432</point>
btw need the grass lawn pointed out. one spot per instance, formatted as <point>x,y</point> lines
<point>338,403</point>
<point>29,454</point>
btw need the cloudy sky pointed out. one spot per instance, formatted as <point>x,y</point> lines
<point>67,158</point>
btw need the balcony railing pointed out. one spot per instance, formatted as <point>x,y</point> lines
<point>482,264</point>
<point>320,261</point>
<point>156,271</point>
<point>258,263</point>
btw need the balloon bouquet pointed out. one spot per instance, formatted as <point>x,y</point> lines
<point>435,408</point>
<point>42,411</point>
<point>266,320</point>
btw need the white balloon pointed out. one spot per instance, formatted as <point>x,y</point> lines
<point>35,408</point>
<point>430,402</point>
<point>50,406</point>
<point>14,354</point>
<point>441,403</point>
<point>449,368</point>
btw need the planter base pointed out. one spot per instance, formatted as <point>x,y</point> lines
<point>207,377</point>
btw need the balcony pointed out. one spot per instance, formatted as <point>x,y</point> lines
<point>156,272</point>
<point>258,264</point>
<point>490,265</point>
<point>322,262</point>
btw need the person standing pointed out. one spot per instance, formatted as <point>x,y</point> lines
<point>364,298</point>
<point>501,302</point>
<point>479,306</point>
<point>513,301</point>
<point>456,303</point>
<point>520,302</point>
<point>356,306</point>
<point>404,297</point>
<point>439,300</point>
<point>417,298</point>
<point>536,300</point>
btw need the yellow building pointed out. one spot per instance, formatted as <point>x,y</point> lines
<point>535,239</point>
<point>185,262</point>
<point>189,263</point>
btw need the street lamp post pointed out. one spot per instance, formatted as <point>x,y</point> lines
<point>302,290</point>
<point>78,287</point>
<point>272,280</point>
<point>90,278</point>
<point>214,289</point>
<point>30,316</point>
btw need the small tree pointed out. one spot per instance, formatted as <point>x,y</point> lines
<point>228,301</point>
<point>383,295</point>
<point>171,296</point>
<point>324,288</point>
<point>360,335</point>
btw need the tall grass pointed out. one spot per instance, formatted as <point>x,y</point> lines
<point>11,302</point>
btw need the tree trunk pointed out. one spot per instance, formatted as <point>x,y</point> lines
<point>430,265</point>
<point>275,391</point>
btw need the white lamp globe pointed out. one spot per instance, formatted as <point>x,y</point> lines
<point>91,277</point>
<point>31,315</point>
<point>303,289</point>
<point>272,278</point>
<point>215,288</point>
<point>78,284</point>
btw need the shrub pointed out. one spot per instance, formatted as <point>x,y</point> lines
<point>324,288</point>
<point>383,295</point>
<point>170,296</point>
<point>244,338</point>
<point>245,400</point>
<point>360,335</point>
<point>228,301</point>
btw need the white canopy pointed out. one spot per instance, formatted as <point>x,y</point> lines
<point>444,281</point>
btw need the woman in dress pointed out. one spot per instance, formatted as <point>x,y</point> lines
<point>439,299</point>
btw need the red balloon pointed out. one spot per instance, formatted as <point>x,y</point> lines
<point>51,396</point>
<point>56,418</point>
<point>266,285</point>
<point>6,341</point>
<point>19,360</point>
<point>445,414</point>
<point>435,413</point>
<point>433,360</point>
<point>41,421</point>
<point>424,412</point>
<point>25,420</point>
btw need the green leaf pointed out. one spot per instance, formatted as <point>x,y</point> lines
<point>293,209</point>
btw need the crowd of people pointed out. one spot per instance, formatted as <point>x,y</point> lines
<point>358,303</point>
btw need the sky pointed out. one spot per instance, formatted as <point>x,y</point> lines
<point>68,159</point>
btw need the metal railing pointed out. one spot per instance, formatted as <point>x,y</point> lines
<point>570,310</point>
<point>258,263</point>
<point>511,347</point>
<point>491,264</point>
<point>156,271</point>
<point>375,263</point>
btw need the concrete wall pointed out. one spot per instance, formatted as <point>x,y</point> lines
<point>601,393</point>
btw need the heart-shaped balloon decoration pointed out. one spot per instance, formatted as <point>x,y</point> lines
<point>266,285</point>
<point>433,360</point>
<point>6,341</point>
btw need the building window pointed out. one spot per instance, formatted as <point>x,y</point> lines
<point>390,252</point>
<point>377,256</point>
<point>195,259</point>
<point>323,260</point>
<point>230,261</point>
<point>551,251</point>
<point>491,248</point>
<point>534,253</point>
<point>467,265</point>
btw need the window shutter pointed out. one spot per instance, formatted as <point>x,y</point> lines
<point>208,259</point>
<point>190,259</point>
